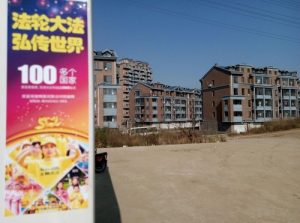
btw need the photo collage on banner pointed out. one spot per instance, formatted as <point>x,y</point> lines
<point>47,142</point>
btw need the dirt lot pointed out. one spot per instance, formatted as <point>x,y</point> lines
<point>246,179</point>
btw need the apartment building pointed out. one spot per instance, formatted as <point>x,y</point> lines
<point>298,97</point>
<point>242,96</point>
<point>108,106</point>
<point>165,106</point>
<point>129,73</point>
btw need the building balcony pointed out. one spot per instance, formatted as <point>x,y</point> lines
<point>259,108</point>
<point>263,119</point>
<point>268,96</point>
<point>109,98</point>
<point>110,124</point>
<point>154,120</point>
<point>110,111</point>
<point>289,108</point>
<point>259,96</point>
<point>237,119</point>
<point>237,108</point>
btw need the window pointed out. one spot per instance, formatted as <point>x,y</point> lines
<point>109,118</point>
<point>259,102</point>
<point>266,80</point>
<point>293,103</point>
<point>226,114</point>
<point>213,103</point>
<point>107,66</point>
<point>226,102</point>
<point>249,91</point>
<point>214,114</point>
<point>269,114</point>
<point>293,92</point>
<point>268,103</point>
<point>258,80</point>
<point>286,103</point>
<point>109,105</point>
<point>249,115</point>
<point>235,79</point>
<point>249,103</point>
<point>137,93</point>
<point>268,91</point>
<point>237,113</point>
<point>235,91</point>
<point>213,93</point>
<point>109,91</point>
<point>237,102</point>
<point>243,91</point>
<point>97,65</point>
<point>248,70</point>
<point>108,79</point>
<point>243,79</point>
<point>259,91</point>
<point>284,81</point>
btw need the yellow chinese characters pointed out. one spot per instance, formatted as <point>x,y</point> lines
<point>56,44</point>
<point>24,21</point>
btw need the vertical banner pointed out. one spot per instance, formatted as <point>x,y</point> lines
<point>48,153</point>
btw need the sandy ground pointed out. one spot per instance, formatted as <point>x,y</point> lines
<point>246,179</point>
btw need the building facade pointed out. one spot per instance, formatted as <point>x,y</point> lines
<point>241,96</point>
<point>165,106</point>
<point>129,73</point>
<point>108,106</point>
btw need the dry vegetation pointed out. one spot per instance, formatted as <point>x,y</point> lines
<point>278,125</point>
<point>113,138</point>
<point>105,137</point>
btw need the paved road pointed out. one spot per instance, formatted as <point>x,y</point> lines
<point>247,179</point>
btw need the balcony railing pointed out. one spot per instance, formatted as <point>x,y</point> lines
<point>237,108</point>
<point>237,119</point>
<point>110,111</point>
<point>110,98</point>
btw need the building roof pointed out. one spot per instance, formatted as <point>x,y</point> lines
<point>105,55</point>
<point>164,87</point>
<point>233,70</point>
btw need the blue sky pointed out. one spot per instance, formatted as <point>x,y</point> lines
<point>183,39</point>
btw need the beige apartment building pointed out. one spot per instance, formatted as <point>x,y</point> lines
<point>164,106</point>
<point>240,97</point>
<point>108,93</point>
<point>129,73</point>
